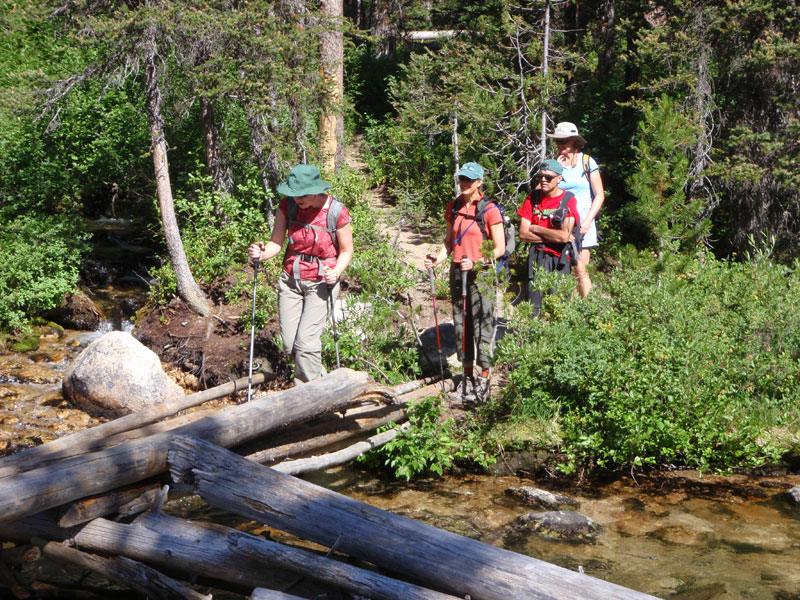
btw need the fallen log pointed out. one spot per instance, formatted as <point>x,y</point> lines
<point>336,430</point>
<point>95,438</point>
<point>74,478</point>
<point>235,556</point>
<point>141,578</point>
<point>442,560</point>
<point>333,459</point>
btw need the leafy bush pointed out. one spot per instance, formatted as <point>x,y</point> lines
<point>698,366</point>
<point>41,262</point>
<point>431,445</point>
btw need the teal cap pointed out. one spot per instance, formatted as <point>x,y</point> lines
<point>553,165</point>
<point>471,170</point>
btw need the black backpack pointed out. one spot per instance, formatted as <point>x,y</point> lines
<point>508,227</point>
<point>557,217</point>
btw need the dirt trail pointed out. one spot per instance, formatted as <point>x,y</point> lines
<point>411,243</point>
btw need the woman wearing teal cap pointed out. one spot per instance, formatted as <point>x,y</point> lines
<point>471,219</point>
<point>320,249</point>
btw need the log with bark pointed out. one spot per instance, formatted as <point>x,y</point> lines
<point>331,432</point>
<point>235,556</point>
<point>442,560</point>
<point>74,478</point>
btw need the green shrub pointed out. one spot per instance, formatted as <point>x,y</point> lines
<point>431,445</point>
<point>696,366</point>
<point>41,262</point>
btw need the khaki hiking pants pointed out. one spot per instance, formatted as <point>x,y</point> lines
<point>303,312</point>
<point>480,319</point>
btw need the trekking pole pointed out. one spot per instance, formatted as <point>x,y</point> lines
<point>436,321</point>
<point>252,331</point>
<point>463,334</point>
<point>333,322</point>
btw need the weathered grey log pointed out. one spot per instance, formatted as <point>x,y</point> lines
<point>96,438</point>
<point>43,525</point>
<point>234,556</point>
<point>442,560</point>
<point>100,505</point>
<point>265,594</point>
<point>73,478</point>
<point>332,459</point>
<point>124,502</point>
<point>302,441</point>
<point>142,578</point>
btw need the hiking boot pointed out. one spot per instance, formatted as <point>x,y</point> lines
<point>480,388</point>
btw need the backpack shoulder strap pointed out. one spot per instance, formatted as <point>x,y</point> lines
<point>334,211</point>
<point>588,173</point>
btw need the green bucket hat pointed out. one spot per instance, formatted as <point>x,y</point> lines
<point>303,180</point>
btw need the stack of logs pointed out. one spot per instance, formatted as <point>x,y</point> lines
<point>76,501</point>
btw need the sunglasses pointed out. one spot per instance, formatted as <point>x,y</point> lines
<point>547,177</point>
<point>464,178</point>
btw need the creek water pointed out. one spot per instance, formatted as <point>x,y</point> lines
<point>681,536</point>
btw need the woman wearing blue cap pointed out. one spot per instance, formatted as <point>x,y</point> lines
<point>466,230</point>
<point>320,249</point>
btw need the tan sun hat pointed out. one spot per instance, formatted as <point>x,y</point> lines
<point>566,130</point>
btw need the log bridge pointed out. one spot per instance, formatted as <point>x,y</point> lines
<point>93,499</point>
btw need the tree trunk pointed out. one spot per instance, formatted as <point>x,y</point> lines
<point>188,289</point>
<point>68,480</point>
<point>443,560</point>
<point>257,146</point>
<point>332,57</point>
<point>216,164</point>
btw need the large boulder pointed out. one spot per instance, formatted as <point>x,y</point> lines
<point>116,375</point>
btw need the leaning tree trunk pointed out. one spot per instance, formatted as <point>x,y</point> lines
<point>332,126</point>
<point>188,289</point>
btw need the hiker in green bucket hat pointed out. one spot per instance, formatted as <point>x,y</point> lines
<point>320,249</point>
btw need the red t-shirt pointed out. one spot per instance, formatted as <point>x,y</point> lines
<point>304,240</point>
<point>469,244</point>
<point>540,215</point>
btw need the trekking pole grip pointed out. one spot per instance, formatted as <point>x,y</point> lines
<point>433,286</point>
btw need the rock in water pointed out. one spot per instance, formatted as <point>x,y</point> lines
<point>116,375</point>
<point>537,497</point>
<point>565,524</point>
